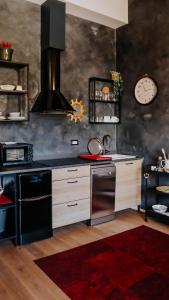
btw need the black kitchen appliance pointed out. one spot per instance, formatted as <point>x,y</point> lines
<point>34,206</point>
<point>51,100</point>
<point>15,153</point>
<point>103,194</point>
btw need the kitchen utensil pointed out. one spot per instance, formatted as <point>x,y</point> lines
<point>95,146</point>
<point>19,88</point>
<point>107,143</point>
<point>164,153</point>
<point>165,164</point>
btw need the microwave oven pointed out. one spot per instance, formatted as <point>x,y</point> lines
<point>15,154</point>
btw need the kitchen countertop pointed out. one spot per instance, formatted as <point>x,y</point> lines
<point>56,163</point>
<point>74,161</point>
<point>35,166</point>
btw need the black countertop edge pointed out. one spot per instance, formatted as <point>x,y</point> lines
<point>41,165</point>
<point>21,169</point>
<point>71,162</point>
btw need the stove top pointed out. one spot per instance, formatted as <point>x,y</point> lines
<point>56,162</point>
<point>62,162</point>
<point>35,164</point>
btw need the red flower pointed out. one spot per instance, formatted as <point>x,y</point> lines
<point>5,44</point>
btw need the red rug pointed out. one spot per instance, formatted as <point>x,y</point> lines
<point>133,265</point>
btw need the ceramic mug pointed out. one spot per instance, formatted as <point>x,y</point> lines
<point>165,164</point>
<point>19,88</point>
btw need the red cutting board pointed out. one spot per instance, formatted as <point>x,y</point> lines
<point>95,157</point>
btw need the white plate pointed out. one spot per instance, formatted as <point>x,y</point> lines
<point>7,87</point>
<point>16,118</point>
<point>15,114</point>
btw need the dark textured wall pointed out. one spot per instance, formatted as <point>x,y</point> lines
<point>143,47</point>
<point>90,51</point>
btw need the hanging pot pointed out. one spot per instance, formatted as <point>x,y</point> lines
<point>95,146</point>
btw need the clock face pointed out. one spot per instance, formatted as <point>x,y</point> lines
<point>145,90</point>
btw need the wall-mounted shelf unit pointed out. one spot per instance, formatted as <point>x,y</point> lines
<point>104,101</point>
<point>17,74</point>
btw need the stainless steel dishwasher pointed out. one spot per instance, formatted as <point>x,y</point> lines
<point>103,193</point>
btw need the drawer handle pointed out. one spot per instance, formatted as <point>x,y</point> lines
<point>70,205</point>
<point>73,170</point>
<point>131,163</point>
<point>72,181</point>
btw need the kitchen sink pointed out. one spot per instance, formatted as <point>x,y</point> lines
<point>119,156</point>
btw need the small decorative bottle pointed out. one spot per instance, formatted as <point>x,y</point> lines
<point>159,167</point>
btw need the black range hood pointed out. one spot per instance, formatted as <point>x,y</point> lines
<point>51,100</point>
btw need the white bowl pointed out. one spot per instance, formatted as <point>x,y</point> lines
<point>14,114</point>
<point>159,208</point>
<point>7,87</point>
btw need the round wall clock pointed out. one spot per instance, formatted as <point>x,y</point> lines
<point>145,90</point>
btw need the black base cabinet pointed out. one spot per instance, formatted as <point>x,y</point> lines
<point>152,196</point>
<point>34,206</point>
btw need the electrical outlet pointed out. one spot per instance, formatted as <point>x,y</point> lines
<point>74,142</point>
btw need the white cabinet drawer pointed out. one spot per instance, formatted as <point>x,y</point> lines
<point>70,212</point>
<point>66,173</point>
<point>70,190</point>
<point>128,170</point>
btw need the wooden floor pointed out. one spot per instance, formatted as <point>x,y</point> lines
<point>20,278</point>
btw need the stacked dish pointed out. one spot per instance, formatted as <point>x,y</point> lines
<point>15,116</point>
<point>159,208</point>
<point>7,87</point>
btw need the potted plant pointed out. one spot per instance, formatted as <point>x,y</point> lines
<point>118,83</point>
<point>6,51</point>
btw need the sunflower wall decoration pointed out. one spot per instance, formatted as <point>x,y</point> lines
<point>79,108</point>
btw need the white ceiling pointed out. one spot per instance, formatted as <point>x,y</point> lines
<point>111,13</point>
